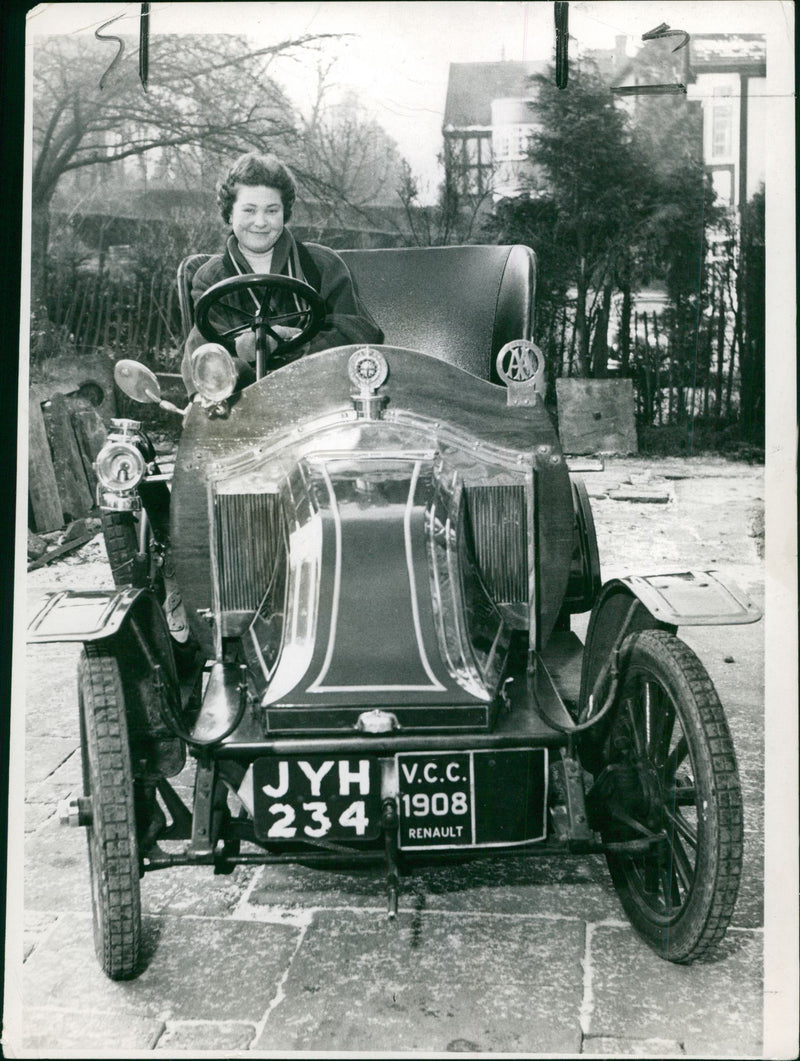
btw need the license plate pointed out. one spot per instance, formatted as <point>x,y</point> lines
<point>472,799</point>
<point>317,797</point>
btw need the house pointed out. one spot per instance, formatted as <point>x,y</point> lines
<point>488,119</point>
<point>725,74</point>
<point>728,76</point>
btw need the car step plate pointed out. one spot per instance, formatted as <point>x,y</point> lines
<point>481,798</point>
<point>317,797</point>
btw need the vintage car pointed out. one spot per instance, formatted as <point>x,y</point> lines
<point>351,608</point>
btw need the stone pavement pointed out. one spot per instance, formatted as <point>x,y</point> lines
<point>519,955</point>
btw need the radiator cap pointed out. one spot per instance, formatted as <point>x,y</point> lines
<point>377,721</point>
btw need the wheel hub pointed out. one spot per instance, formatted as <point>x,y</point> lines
<point>624,791</point>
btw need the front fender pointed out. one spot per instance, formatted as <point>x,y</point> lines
<point>687,598</point>
<point>81,615</point>
<point>132,624</point>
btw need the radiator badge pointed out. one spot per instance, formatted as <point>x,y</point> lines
<point>520,365</point>
<point>368,370</point>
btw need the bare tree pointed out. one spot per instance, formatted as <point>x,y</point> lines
<point>455,217</point>
<point>210,91</point>
<point>345,160</point>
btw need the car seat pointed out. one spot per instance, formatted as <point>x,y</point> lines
<point>461,304</point>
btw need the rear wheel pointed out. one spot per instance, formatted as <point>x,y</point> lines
<point>670,769</point>
<point>111,835</point>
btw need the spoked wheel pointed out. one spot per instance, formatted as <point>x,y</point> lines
<point>108,782</point>
<point>671,770</point>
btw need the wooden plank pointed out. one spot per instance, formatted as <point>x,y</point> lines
<point>73,489</point>
<point>42,486</point>
<point>91,434</point>
<point>61,550</point>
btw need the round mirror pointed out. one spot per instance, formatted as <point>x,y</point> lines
<point>137,381</point>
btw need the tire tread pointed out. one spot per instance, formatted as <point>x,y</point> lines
<point>118,936</point>
<point>677,656</point>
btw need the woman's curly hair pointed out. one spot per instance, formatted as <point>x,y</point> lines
<point>254,169</point>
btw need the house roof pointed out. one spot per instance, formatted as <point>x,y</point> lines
<point>711,51</point>
<point>471,87</point>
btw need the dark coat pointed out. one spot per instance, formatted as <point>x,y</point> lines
<point>347,320</point>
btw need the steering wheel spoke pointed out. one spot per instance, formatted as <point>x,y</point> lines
<point>264,318</point>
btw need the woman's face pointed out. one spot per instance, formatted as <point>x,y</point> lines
<point>257,217</point>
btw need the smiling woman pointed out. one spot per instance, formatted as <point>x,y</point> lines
<point>256,198</point>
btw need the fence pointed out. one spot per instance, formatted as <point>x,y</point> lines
<point>135,318</point>
<point>679,374</point>
<point>682,372</point>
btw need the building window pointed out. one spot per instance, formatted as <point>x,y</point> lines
<point>722,183</point>
<point>722,130</point>
<point>470,163</point>
<point>512,141</point>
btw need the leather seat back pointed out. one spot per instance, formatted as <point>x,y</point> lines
<point>461,304</point>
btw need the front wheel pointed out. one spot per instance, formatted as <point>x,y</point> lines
<point>670,770</point>
<point>121,536</point>
<point>111,835</point>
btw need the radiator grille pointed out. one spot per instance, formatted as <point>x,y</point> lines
<point>249,531</point>
<point>497,517</point>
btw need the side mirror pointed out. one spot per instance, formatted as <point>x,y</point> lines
<point>138,382</point>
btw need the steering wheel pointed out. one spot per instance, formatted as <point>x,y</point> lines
<point>262,286</point>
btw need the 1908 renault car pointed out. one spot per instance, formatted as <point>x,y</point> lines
<point>351,607</point>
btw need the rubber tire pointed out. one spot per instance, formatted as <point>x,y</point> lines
<point>121,535</point>
<point>703,918</point>
<point>111,836</point>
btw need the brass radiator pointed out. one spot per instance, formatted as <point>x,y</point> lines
<point>250,531</point>
<point>498,523</point>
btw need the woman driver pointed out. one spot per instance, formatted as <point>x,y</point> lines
<point>256,199</point>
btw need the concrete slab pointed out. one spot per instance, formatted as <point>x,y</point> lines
<point>196,969</point>
<point>596,416</point>
<point>716,1004</point>
<point>431,982</point>
<point>61,1030</point>
<point>581,465</point>
<point>206,1035</point>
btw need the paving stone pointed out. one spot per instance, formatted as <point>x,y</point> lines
<point>194,890</point>
<point>52,710</point>
<point>558,887</point>
<point>44,755</point>
<point>431,982</point>
<point>36,814</point>
<point>717,1004</point>
<point>195,969</point>
<point>204,1035</point>
<point>640,495</point>
<point>35,926</point>
<point>561,887</point>
<point>607,1046</point>
<point>64,781</point>
<point>82,1029</point>
<point>56,871</point>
